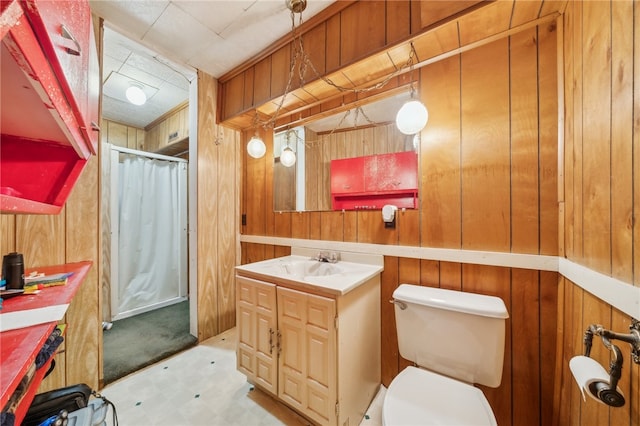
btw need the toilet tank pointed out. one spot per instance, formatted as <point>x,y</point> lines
<point>454,333</point>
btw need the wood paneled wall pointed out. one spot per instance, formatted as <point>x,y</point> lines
<point>601,193</point>
<point>218,215</point>
<point>488,181</point>
<point>123,135</point>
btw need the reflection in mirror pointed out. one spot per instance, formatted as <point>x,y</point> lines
<point>362,131</point>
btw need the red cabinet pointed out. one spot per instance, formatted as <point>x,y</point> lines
<point>49,96</point>
<point>372,181</point>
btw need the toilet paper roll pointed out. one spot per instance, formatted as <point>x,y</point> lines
<point>587,371</point>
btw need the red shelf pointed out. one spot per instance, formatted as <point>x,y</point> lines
<point>370,182</point>
<point>49,92</point>
<point>19,348</point>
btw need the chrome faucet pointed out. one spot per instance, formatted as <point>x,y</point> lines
<point>327,256</point>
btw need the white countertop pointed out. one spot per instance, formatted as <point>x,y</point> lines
<point>299,269</point>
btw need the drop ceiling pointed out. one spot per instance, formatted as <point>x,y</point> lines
<point>159,45</point>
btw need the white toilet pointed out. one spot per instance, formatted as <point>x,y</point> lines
<point>456,339</point>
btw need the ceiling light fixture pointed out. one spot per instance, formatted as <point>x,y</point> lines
<point>287,156</point>
<point>413,115</point>
<point>256,147</point>
<point>411,118</point>
<point>135,94</point>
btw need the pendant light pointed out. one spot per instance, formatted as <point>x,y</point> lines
<point>412,117</point>
<point>256,147</point>
<point>287,156</point>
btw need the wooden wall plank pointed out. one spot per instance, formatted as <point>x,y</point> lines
<point>8,235</point>
<point>485,148</point>
<point>636,163</point>
<point>41,239</point>
<point>280,69</point>
<point>84,335</point>
<point>548,139</point>
<point>495,281</point>
<point>227,171</point>
<point>300,225</point>
<point>389,338</point>
<point>548,306</point>
<point>596,191</point>
<point>333,47</point>
<point>359,37</point>
<point>234,96</point>
<point>440,190</point>
<point>525,333</point>
<point>398,13</point>
<point>622,141</point>
<point>525,143</point>
<point>207,208</point>
<point>261,75</point>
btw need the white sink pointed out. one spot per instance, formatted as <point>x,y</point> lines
<point>339,278</point>
<point>309,268</point>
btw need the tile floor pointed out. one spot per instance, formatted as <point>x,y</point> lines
<point>201,386</point>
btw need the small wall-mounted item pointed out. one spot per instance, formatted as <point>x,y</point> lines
<point>389,215</point>
<point>591,377</point>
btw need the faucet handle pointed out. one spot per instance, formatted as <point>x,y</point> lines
<point>334,256</point>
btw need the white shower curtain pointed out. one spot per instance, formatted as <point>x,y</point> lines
<point>151,249</point>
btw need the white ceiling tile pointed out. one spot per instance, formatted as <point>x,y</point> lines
<point>179,33</point>
<point>140,76</point>
<point>133,18</point>
<point>109,65</point>
<point>215,15</point>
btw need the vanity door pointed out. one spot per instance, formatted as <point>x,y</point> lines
<point>307,364</point>
<point>257,328</point>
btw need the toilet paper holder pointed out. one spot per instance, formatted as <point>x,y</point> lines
<point>632,338</point>
<point>608,392</point>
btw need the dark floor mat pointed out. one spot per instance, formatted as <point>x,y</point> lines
<point>136,342</point>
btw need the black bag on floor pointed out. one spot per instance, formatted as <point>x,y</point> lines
<point>48,404</point>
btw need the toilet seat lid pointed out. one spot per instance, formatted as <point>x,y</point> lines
<point>418,396</point>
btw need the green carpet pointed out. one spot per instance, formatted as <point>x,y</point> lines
<point>136,342</point>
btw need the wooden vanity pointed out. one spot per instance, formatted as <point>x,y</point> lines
<point>315,348</point>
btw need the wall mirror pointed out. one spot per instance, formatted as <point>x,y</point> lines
<point>303,155</point>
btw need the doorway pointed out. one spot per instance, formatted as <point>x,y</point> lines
<point>147,293</point>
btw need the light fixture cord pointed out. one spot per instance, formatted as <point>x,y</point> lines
<point>301,62</point>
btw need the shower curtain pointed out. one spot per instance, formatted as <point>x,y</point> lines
<point>151,248</point>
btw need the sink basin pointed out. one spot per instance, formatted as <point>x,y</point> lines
<point>309,268</point>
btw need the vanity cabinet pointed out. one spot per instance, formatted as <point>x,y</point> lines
<point>317,352</point>
<point>49,94</point>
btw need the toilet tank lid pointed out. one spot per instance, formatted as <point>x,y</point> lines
<point>452,300</point>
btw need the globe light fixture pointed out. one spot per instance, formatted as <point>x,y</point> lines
<point>256,148</point>
<point>136,95</point>
<point>287,157</point>
<point>412,117</point>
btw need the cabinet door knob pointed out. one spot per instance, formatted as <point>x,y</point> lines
<point>67,34</point>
